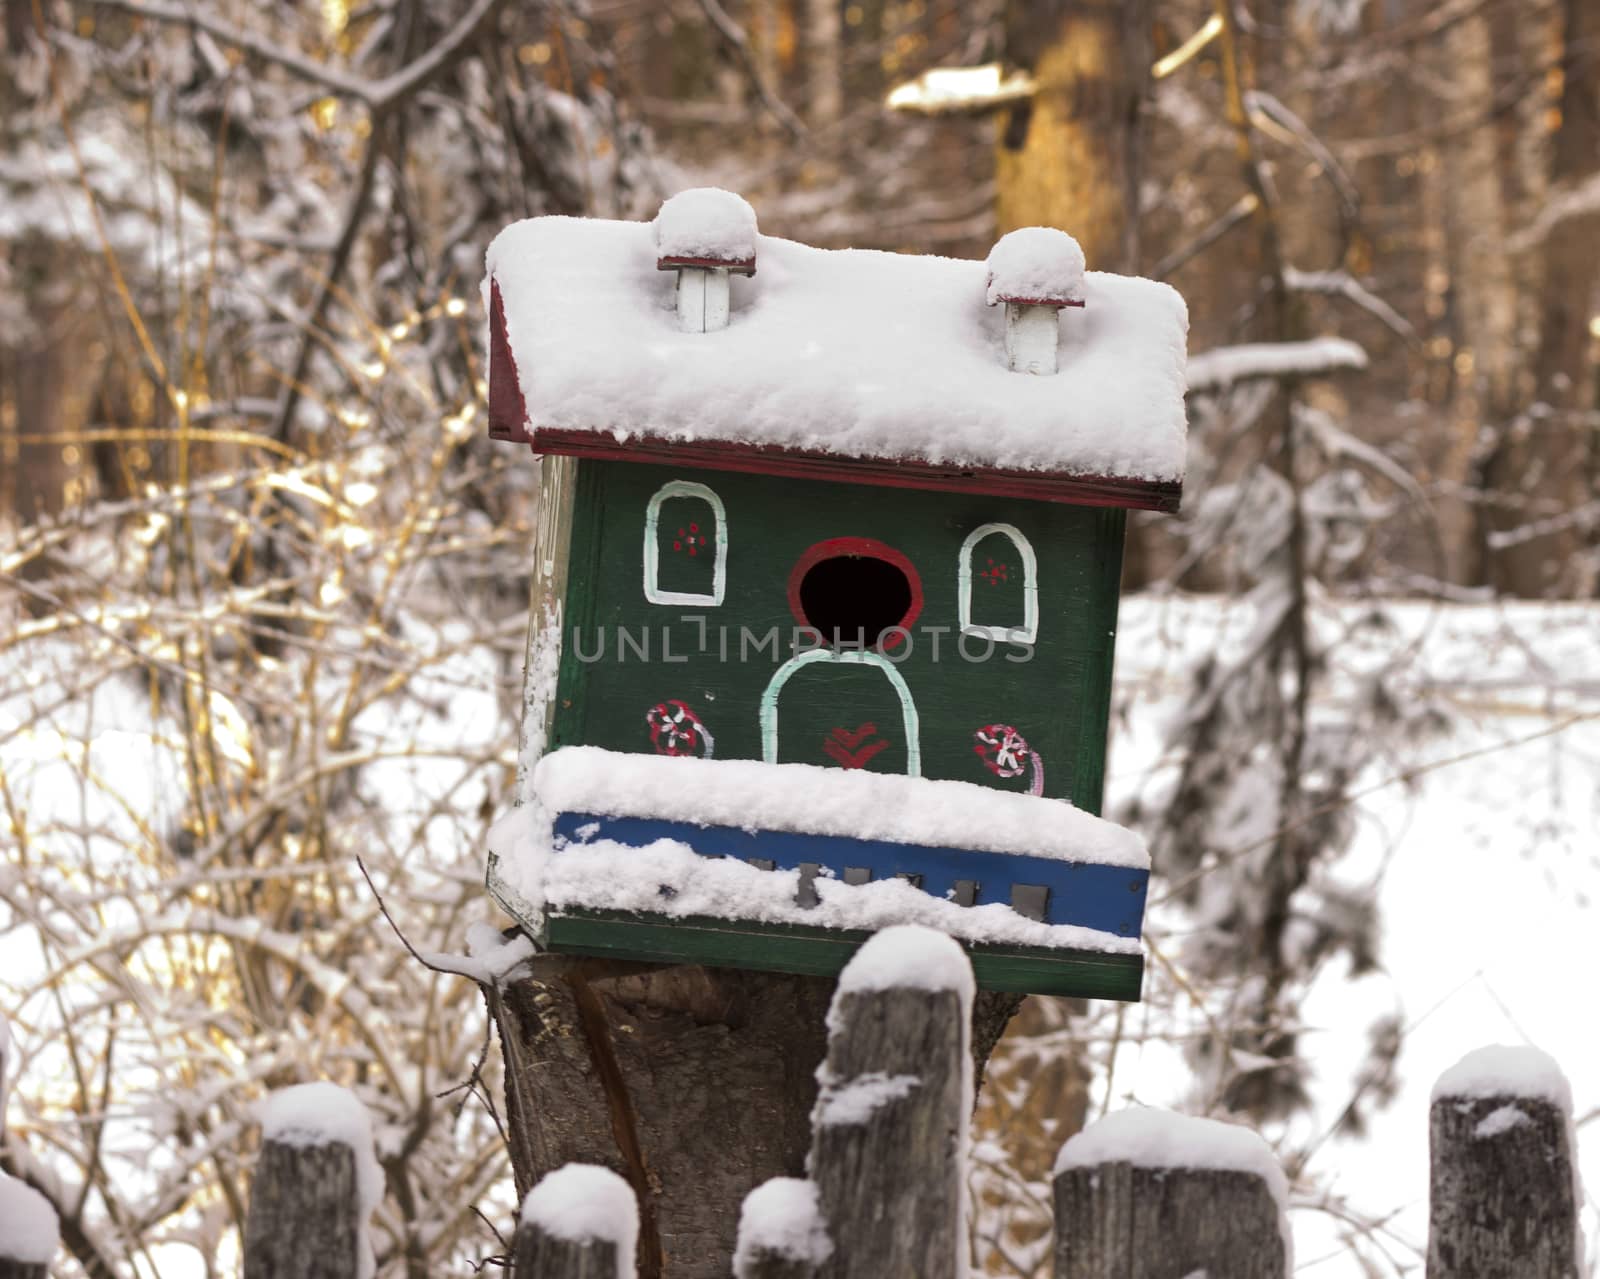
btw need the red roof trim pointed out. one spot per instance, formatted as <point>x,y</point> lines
<point>1040,301</point>
<point>744,266</point>
<point>508,411</point>
<point>766,459</point>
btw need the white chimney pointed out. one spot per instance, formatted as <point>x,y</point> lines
<point>1035,271</point>
<point>705,234</point>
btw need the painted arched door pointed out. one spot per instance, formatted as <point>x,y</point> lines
<point>845,709</point>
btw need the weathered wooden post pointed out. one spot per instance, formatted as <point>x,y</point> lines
<point>580,1222</point>
<point>1148,1194</point>
<point>1503,1191</point>
<point>316,1183</point>
<point>889,1132</point>
<point>781,1232</point>
<point>29,1231</point>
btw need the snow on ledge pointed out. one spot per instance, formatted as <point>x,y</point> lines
<point>1150,1138</point>
<point>605,875</point>
<point>909,957</point>
<point>28,1224</point>
<point>584,1202</point>
<point>706,223</point>
<point>853,353</point>
<point>751,795</point>
<point>1501,1070</point>
<point>1035,264</point>
<point>781,1218</point>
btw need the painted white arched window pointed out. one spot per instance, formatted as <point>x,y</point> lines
<point>997,587</point>
<point>843,657</point>
<point>685,546</point>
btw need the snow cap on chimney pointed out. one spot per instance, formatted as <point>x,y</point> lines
<point>1035,271</point>
<point>704,234</point>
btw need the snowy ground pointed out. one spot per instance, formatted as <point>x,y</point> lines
<point>1486,871</point>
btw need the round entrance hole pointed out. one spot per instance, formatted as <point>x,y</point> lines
<point>851,590</point>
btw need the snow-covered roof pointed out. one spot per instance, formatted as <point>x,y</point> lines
<point>843,354</point>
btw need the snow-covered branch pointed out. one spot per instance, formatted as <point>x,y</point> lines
<point>1223,366</point>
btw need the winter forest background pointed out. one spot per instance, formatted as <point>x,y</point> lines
<point>263,579</point>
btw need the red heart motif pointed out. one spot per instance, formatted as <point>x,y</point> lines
<point>842,745</point>
<point>851,740</point>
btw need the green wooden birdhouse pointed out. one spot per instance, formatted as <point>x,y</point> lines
<point>825,591</point>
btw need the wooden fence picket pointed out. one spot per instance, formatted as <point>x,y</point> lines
<point>1503,1191</point>
<point>1146,1194</point>
<point>781,1232</point>
<point>304,1220</point>
<point>28,1231</point>
<point>315,1184</point>
<point>764,1263</point>
<point>891,1116</point>
<point>11,1268</point>
<point>541,1255</point>
<point>1141,1194</point>
<point>579,1222</point>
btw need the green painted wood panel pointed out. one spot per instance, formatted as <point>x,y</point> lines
<point>623,655</point>
<point>823,952</point>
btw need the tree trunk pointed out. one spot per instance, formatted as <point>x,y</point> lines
<point>1070,158</point>
<point>695,1084</point>
<point>1544,465</point>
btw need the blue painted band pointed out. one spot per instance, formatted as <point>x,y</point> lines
<point>1109,898</point>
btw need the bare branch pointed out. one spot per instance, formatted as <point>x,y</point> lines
<point>379,95</point>
<point>330,78</point>
<point>734,34</point>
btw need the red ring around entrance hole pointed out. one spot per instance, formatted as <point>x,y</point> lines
<point>868,547</point>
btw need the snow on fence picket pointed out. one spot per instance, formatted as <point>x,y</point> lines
<point>1503,1194</point>
<point>1141,1192</point>
<point>316,1184</point>
<point>579,1222</point>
